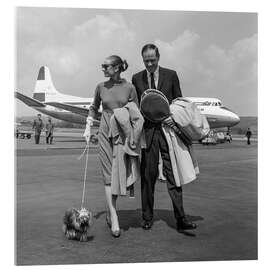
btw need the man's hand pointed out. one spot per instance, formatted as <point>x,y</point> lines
<point>169,122</point>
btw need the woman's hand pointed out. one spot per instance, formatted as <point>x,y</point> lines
<point>87,134</point>
<point>87,131</point>
<point>89,120</point>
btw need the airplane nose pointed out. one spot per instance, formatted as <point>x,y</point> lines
<point>235,119</point>
<point>232,118</point>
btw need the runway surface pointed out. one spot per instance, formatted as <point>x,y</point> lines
<point>223,202</point>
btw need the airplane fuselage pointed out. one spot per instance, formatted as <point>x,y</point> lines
<point>217,116</point>
<point>47,100</point>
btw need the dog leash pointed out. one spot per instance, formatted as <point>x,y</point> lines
<point>82,154</point>
<point>86,149</point>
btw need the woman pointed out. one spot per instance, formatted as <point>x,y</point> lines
<point>114,93</point>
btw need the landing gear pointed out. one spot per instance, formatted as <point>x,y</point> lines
<point>228,135</point>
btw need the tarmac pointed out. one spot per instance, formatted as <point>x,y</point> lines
<point>222,201</point>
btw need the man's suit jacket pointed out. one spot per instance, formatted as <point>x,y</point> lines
<point>168,84</point>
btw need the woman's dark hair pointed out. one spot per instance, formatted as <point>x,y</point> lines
<point>151,47</point>
<point>117,61</point>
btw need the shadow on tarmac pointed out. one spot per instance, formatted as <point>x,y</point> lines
<point>71,140</point>
<point>131,219</point>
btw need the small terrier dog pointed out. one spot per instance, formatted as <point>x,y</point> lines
<point>76,224</point>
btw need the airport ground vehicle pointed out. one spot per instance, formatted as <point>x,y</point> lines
<point>23,134</point>
<point>214,138</point>
<point>220,137</point>
<point>208,140</point>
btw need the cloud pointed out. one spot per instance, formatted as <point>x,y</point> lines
<point>74,48</point>
<point>213,65</point>
<point>99,37</point>
<point>102,35</point>
<point>232,72</point>
<point>74,54</point>
<point>61,58</point>
<point>182,54</point>
<point>244,56</point>
<point>213,70</point>
<point>104,28</point>
<point>237,63</point>
<point>181,50</point>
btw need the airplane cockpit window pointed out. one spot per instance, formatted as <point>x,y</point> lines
<point>225,108</point>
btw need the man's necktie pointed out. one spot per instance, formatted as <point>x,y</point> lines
<point>152,81</point>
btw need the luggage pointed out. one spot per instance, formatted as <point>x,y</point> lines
<point>189,119</point>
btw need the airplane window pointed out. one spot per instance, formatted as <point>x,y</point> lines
<point>206,103</point>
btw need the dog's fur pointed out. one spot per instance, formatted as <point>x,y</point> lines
<point>76,224</point>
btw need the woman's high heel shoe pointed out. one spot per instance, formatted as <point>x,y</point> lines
<point>116,233</point>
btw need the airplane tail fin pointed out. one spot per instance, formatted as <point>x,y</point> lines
<point>44,86</point>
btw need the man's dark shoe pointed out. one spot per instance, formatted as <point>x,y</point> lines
<point>146,225</point>
<point>184,224</point>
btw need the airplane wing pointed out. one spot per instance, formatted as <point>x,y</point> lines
<point>29,101</point>
<point>70,108</point>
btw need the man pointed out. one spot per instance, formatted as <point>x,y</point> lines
<point>38,126</point>
<point>166,81</point>
<point>248,135</point>
<point>49,131</point>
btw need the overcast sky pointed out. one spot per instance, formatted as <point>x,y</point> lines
<point>214,53</point>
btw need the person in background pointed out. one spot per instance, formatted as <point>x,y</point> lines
<point>49,128</point>
<point>166,81</point>
<point>248,135</point>
<point>38,126</point>
<point>228,136</point>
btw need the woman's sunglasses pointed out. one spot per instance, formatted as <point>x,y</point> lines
<point>105,66</point>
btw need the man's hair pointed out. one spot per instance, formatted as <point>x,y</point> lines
<point>151,47</point>
<point>39,114</point>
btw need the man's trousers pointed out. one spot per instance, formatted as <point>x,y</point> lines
<point>37,138</point>
<point>149,174</point>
